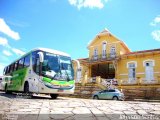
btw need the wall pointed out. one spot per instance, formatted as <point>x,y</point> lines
<point>142,93</point>
<point>122,71</point>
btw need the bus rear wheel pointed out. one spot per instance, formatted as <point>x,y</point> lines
<point>6,91</point>
<point>54,96</point>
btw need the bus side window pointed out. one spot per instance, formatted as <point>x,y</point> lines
<point>27,61</point>
<point>7,70</point>
<point>4,71</point>
<point>16,66</point>
<point>11,68</point>
<point>20,65</point>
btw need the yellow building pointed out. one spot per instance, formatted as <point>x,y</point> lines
<point>111,59</point>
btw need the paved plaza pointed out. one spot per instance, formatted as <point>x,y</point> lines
<point>17,107</point>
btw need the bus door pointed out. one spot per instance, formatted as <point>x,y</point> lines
<point>33,81</point>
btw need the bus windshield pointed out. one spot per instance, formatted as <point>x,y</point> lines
<point>57,67</point>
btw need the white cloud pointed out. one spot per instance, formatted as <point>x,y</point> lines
<point>17,51</point>
<point>3,41</point>
<point>88,3</point>
<point>156,35</point>
<point>7,53</point>
<point>156,21</point>
<point>4,28</point>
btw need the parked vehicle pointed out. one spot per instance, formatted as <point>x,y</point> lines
<point>111,94</point>
<point>41,70</point>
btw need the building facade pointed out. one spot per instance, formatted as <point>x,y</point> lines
<point>111,59</point>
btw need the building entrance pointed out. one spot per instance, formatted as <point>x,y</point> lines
<point>106,70</point>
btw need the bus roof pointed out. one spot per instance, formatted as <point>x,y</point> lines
<point>52,51</point>
<point>45,50</point>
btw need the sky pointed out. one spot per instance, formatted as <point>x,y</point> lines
<point>69,25</point>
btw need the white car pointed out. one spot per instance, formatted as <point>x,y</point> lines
<point>113,94</point>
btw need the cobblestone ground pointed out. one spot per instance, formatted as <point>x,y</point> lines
<point>43,108</point>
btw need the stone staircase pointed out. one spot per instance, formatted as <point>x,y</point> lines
<point>85,91</point>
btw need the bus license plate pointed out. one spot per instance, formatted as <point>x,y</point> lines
<point>60,90</point>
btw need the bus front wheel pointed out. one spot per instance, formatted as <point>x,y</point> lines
<point>54,96</point>
<point>26,87</point>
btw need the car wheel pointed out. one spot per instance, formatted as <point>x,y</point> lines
<point>95,97</point>
<point>54,96</point>
<point>115,98</point>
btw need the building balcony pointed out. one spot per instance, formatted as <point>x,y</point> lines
<point>104,57</point>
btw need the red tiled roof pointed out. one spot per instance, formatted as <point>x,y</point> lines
<point>81,58</point>
<point>143,51</point>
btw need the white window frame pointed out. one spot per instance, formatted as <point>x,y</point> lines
<point>79,73</point>
<point>104,53</point>
<point>131,62</point>
<point>111,54</point>
<point>149,60</point>
<point>95,53</point>
<point>153,64</point>
<point>135,62</point>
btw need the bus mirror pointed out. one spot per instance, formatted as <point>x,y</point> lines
<point>41,57</point>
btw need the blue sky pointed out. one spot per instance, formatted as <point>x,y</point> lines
<point>68,25</point>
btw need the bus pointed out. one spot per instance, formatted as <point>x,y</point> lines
<point>41,71</point>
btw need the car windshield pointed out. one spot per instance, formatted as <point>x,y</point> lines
<point>57,67</point>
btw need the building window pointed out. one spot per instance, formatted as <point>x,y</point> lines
<point>79,74</point>
<point>95,53</point>
<point>132,70</point>
<point>149,69</point>
<point>113,51</point>
<point>104,49</point>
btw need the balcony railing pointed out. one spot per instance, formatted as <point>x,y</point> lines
<point>103,57</point>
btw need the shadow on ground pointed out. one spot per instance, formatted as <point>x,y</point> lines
<point>27,96</point>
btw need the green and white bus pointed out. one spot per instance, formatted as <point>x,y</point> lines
<point>41,70</point>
